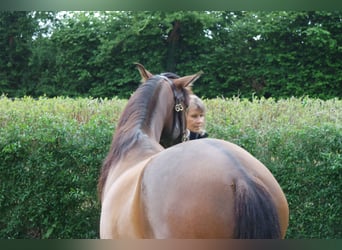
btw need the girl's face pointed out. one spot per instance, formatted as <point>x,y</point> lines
<point>195,120</point>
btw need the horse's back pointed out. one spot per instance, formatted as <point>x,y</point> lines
<point>188,190</point>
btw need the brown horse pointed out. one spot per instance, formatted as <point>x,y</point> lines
<point>205,188</point>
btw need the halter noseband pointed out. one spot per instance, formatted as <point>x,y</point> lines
<point>178,109</point>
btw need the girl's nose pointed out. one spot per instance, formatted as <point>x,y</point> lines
<point>200,120</point>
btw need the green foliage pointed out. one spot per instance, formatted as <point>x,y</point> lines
<point>275,54</point>
<point>311,159</point>
<point>17,30</point>
<point>51,152</point>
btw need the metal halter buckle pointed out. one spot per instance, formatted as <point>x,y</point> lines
<point>185,137</point>
<point>179,107</point>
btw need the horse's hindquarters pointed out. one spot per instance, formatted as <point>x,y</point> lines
<point>180,201</point>
<point>189,191</point>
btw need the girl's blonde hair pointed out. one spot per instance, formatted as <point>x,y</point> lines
<point>196,102</point>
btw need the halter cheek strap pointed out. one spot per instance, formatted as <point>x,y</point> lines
<point>179,109</point>
<point>177,114</point>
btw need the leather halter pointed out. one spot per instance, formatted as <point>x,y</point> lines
<point>180,99</point>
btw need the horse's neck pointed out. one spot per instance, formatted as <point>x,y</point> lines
<point>146,145</point>
<point>143,150</point>
<point>147,138</point>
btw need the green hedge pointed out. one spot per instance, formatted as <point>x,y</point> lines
<point>51,152</point>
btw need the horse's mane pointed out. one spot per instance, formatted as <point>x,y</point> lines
<point>132,122</point>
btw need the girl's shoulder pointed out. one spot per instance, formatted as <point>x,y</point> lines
<point>194,135</point>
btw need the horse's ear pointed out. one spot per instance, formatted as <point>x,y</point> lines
<point>187,81</point>
<point>145,74</point>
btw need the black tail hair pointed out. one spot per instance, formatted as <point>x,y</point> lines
<point>256,216</point>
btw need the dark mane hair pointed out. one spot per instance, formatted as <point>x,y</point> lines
<point>132,122</point>
<point>170,75</point>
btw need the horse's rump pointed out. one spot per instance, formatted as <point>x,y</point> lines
<point>202,189</point>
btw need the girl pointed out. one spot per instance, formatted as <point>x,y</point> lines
<point>195,119</point>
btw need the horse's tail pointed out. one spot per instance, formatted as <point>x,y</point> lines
<point>256,216</point>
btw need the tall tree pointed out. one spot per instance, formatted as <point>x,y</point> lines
<point>17,31</point>
<point>273,54</point>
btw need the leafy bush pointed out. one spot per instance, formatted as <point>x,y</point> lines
<point>308,165</point>
<point>51,152</point>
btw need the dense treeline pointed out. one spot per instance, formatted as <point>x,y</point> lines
<point>243,53</point>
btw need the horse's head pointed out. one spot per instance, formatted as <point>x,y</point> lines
<point>177,100</point>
